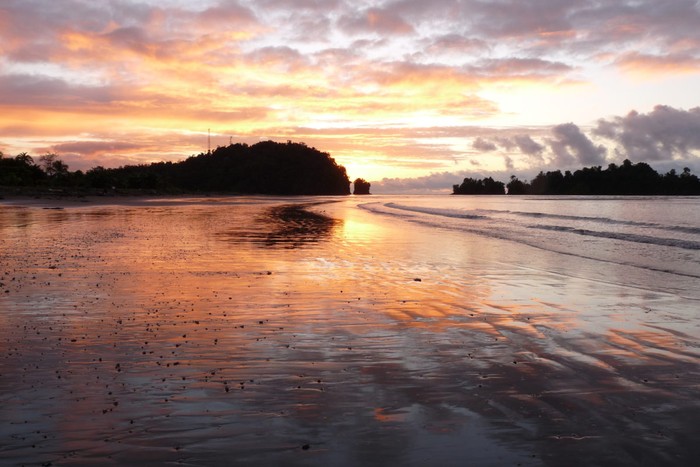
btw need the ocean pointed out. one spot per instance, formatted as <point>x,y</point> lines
<point>361,330</point>
<point>642,235</point>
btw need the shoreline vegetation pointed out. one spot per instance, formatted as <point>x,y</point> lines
<point>272,168</point>
<point>627,179</point>
<point>265,168</point>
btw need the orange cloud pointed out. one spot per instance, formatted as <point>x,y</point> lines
<point>647,64</point>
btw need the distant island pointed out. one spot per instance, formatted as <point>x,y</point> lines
<point>268,168</point>
<point>626,179</point>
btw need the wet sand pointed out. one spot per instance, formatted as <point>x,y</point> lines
<point>268,331</point>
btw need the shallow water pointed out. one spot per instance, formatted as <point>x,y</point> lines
<point>347,331</point>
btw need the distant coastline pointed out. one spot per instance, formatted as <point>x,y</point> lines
<point>627,179</point>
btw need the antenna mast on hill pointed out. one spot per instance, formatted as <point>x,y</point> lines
<point>208,140</point>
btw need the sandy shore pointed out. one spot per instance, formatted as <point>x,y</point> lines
<point>250,331</point>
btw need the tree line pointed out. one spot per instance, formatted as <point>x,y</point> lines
<point>267,167</point>
<point>625,179</point>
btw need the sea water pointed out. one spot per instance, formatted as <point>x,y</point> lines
<point>659,234</point>
<point>377,330</point>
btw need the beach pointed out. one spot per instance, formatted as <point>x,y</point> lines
<point>348,331</point>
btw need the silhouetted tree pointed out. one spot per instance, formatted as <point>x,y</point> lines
<point>52,166</point>
<point>361,186</point>
<point>486,186</point>
<point>20,171</point>
<point>516,187</point>
<point>99,177</point>
<point>626,179</point>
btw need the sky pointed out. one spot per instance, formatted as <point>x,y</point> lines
<point>412,95</point>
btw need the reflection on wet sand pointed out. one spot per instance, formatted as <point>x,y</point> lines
<point>285,226</point>
<point>144,335</point>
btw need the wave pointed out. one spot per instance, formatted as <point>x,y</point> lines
<point>645,245</point>
<point>602,220</point>
<point>480,214</point>
<point>628,237</point>
<point>453,213</point>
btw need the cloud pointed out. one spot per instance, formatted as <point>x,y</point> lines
<point>43,91</point>
<point>127,148</point>
<point>133,38</point>
<point>280,58</point>
<point>92,148</point>
<point>455,44</point>
<point>434,183</point>
<point>437,182</point>
<point>520,67</point>
<point>510,166</point>
<point>523,143</point>
<point>663,134</point>
<point>375,20</point>
<point>635,62</point>
<point>480,144</point>
<point>571,146</point>
<point>527,145</point>
<point>517,19</point>
<point>227,14</point>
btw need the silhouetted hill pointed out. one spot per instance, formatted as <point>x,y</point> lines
<point>264,168</point>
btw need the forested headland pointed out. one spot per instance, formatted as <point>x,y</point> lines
<point>626,179</point>
<point>267,167</point>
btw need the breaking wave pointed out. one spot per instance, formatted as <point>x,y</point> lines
<point>656,234</point>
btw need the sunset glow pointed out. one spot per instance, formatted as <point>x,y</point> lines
<point>426,91</point>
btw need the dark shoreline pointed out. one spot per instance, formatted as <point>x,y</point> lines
<point>63,193</point>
